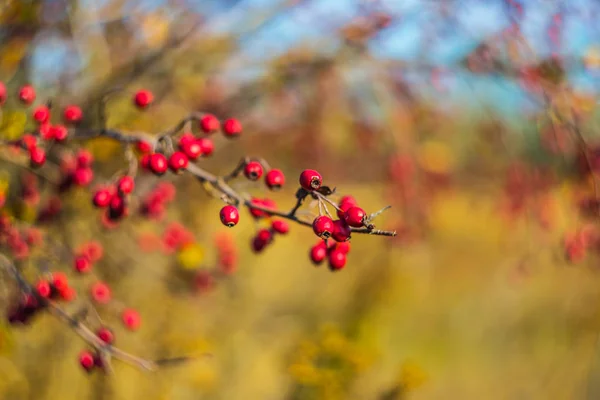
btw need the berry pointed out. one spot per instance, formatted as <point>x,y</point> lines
<point>117,207</point>
<point>275,179</point>
<point>178,161</point>
<point>232,128</point>
<point>264,235</point>
<point>318,253</point>
<point>280,226</point>
<point>60,281</point>
<point>82,264</point>
<point>68,294</point>
<point>72,114</point>
<point>143,146</point>
<point>37,157</point>
<point>143,98</point>
<point>337,260</point>
<point>83,176</point>
<point>355,216</point>
<point>92,250</point>
<point>345,203</point>
<point>59,132</point>
<point>44,289</point>
<point>209,123</point>
<point>258,244</point>
<point>341,231</point>
<point>131,319</point>
<point>2,93</point>
<point>86,360</point>
<point>186,138</point>
<point>126,184</point>
<point>310,179</point>
<point>41,114</point>
<point>101,292</point>
<point>192,150</point>
<point>84,158</point>
<point>230,216</point>
<point>102,198</point>
<point>27,94</point>
<point>344,247</point>
<point>106,335</point>
<point>253,170</point>
<point>323,226</point>
<point>28,141</point>
<point>206,146</point>
<point>158,163</point>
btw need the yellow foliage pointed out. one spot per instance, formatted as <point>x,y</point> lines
<point>191,256</point>
<point>412,375</point>
<point>304,373</point>
<point>12,125</point>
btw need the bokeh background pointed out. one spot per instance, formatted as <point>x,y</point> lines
<point>451,111</point>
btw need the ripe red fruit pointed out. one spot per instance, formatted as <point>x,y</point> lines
<point>68,294</point>
<point>344,247</point>
<point>28,141</point>
<point>209,123</point>
<point>72,114</point>
<point>83,176</point>
<point>280,226</point>
<point>60,281</point>
<point>318,253</point>
<point>230,216</point>
<point>253,170</point>
<point>84,158</point>
<point>345,203</point>
<point>186,138</point>
<point>131,319</point>
<point>178,161</point>
<point>264,235</point>
<point>92,250</point>
<point>192,150</point>
<point>158,163</point>
<point>143,146</point>
<point>82,264</point>
<point>143,98</point>
<point>355,216</point>
<point>86,360</point>
<point>341,231</point>
<point>323,226</point>
<point>274,179</point>
<point>206,145</point>
<point>101,293</point>
<point>258,244</point>
<point>106,335</point>
<point>41,114</point>
<point>102,198</point>
<point>337,260</point>
<point>117,207</point>
<point>310,179</point>
<point>37,157</point>
<point>126,184</point>
<point>59,132</point>
<point>2,93</point>
<point>27,94</point>
<point>44,289</point>
<point>232,128</point>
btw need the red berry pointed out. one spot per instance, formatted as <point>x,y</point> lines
<point>186,138</point>
<point>117,207</point>
<point>106,335</point>
<point>41,114</point>
<point>68,294</point>
<point>345,204</point>
<point>126,184</point>
<point>45,131</point>
<point>143,98</point>
<point>72,114</point>
<point>60,281</point>
<point>131,319</point>
<point>230,215</point>
<point>84,158</point>
<point>82,264</point>
<point>2,93</point>
<point>280,226</point>
<point>344,247</point>
<point>102,198</point>
<point>101,293</point>
<point>209,123</point>
<point>158,163</point>
<point>232,128</point>
<point>28,141</point>
<point>59,132</point>
<point>323,226</point>
<point>83,176</point>
<point>310,179</point>
<point>206,145</point>
<point>355,216</point>
<point>192,150</point>
<point>318,253</point>
<point>86,360</point>
<point>337,260</point>
<point>37,157</point>
<point>264,235</point>
<point>44,289</point>
<point>178,161</point>
<point>27,94</point>
<point>143,146</point>
<point>275,179</point>
<point>341,231</point>
<point>253,170</point>
<point>258,244</point>
<point>92,250</point>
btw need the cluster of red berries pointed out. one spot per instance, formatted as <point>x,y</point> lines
<point>175,237</point>
<point>18,241</point>
<point>114,198</point>
<point>154,203</point>
<point>335,252</point>
<point>86,256</point>
<point>76,169</point>
<point>265,236</point>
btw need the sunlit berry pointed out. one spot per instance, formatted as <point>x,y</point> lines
<point>253,170</point>
<point>232,128</point>
<point>143,98</point>
<point>310,180</point>
<point>323,226</point>
<point>274,179</point>
<point>355,216</point>
<point>209,123</point>
<point>72,114</point>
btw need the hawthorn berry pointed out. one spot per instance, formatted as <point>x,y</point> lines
<point>83,176</point>
<point>345,203</point>
<point>253,170</point>
<point>131,319</point>
<point>68,294</point>
<point>341,231</point>
<point>102,198</point>
<point>230,216</point>
<point>158,163</point>
<point>2,93</point>
<point>27,94</point>
<point>355,216</point>
<point>72,114</point>
<point>82,264</point>
<point>84,158</point>
<point>192,150</point>
<point>337,260</point>
<point>59,132</point>
<point>106,335</point>
<point>87,360</point>
<point>274,179</point>
<point>232,128</point>
<point>126,184</point>
<point>101,292</point>
<point>92,250</point>
<point>310,180</point>
<point>43,288</point>
<point>323,226</point>
<point>280,226</point>
<point>143,146</point>
<point>117,207</point>
<point>258,244</point>
<point>186,138</point>
<point>178,161</point>
<point>60,281</point>
<point>45,131</point>
<point>41,114</point>
<point>264,235</point>
<point>37,157</point>
<point>209,123</point>
<point>344,247</point>
<point>206,146</point>
<point>143,98</point>
<point>318,253</point>
<point>28,141</point>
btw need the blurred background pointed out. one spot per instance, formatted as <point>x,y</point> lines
<point>469,118</point>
